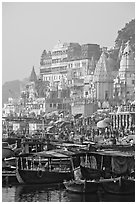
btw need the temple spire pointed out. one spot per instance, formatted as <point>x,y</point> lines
<point>33,76</point>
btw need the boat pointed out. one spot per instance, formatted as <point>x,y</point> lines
<point>123,186</point>
<point>90,173</point>
<point>81,186</point>
<point>118,172</point>
<point>43,168</point>
<point>113,171</point>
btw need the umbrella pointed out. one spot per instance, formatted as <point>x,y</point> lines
<point>133,103</point>
<point>102,124</point>
<point>107,120</point>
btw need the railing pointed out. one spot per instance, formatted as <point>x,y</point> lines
<point>125,108</point>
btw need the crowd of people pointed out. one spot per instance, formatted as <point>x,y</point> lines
<point>79,130</point>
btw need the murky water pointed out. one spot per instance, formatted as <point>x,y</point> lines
<point>44,193</point>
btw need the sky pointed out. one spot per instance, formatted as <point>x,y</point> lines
<point>29,28</point>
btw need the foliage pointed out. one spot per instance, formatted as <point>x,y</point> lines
<point>125,34</point>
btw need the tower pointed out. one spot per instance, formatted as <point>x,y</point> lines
<point>103,79</point>
<point>127,72</point>
<point>33,76</point>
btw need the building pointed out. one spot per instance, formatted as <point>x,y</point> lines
<point>9,108</point>
<point>36,106</point>
<point>84,107</point>
<point>54,64</point>
<point>69,66</point>
<point>103,77</point>
<point>90,50</point>
<point>81,70</point>
<point>58,104</point>
<point>124,84</point>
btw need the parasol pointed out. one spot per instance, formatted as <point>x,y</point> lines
<point>102,124</point>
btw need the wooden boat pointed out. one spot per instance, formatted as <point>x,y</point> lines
<point>122,186</point>
<point>44,168</point>
<point>113,171</point>
<point>81,186</point>
<point>41,176</point>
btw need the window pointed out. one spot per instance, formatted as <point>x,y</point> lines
<point>50,105</point>
<point>133,82</point>
<point>86,93</point>
<point>83,64</point>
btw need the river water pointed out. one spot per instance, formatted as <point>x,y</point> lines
<point>44,193</point>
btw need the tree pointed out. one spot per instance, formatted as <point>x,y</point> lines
<point>126,34</point>
<point>42,88</point>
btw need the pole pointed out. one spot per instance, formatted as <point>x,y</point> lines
<point>43,128</point>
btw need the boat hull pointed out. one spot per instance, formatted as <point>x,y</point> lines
<point>81,186</point>
<point>121,187</point>
<point>41,177</point>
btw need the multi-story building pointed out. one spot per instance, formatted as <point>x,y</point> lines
<point>69,65</point>
<point>36,106</point>
<point>9,108</point>
<point>80,71</point>
<point>64,57</point>
<point>54,64</point>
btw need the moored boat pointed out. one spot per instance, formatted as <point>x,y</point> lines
<point>122,186</point>
<point>113,171</point>
<point>81,186</point>
<point>43,168</point>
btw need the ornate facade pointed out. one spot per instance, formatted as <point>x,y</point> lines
<point>103,78</point>
<point>124,84</point>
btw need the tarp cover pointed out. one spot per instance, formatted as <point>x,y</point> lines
<point>121,165</point>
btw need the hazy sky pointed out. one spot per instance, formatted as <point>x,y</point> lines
<point>29,28</point>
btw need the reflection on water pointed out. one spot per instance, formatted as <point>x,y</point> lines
<point>41,193</point>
